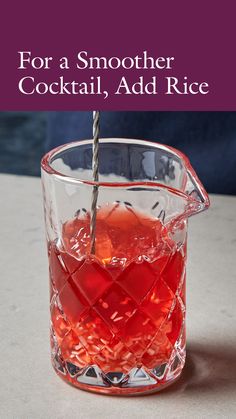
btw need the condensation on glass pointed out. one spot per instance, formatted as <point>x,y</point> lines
<point>118,316</point>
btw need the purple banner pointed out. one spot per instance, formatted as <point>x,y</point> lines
<point>111,56</point>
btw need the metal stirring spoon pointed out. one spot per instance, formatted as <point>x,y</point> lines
<point>95,163</point>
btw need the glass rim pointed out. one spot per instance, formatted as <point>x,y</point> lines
<point>47,167</point>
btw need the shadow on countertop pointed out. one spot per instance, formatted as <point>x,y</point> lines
<point>208,369</point>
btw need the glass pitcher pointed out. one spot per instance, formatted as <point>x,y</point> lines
<point>118,313</point>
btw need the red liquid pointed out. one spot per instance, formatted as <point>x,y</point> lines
<point>119,309</point>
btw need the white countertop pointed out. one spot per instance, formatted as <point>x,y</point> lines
<point>29,388</point>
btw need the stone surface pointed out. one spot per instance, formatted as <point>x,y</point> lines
<point>29,386</point>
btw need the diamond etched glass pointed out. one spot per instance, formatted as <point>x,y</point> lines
<point>118,315</point>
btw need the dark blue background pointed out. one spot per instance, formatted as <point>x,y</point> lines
<point>207,138</point>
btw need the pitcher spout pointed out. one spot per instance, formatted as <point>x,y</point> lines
<point>182,193</point>
<point>198,199</point>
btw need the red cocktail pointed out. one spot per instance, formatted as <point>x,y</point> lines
<point>123,308</point>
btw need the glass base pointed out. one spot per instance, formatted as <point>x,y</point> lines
<point>137,381</point>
